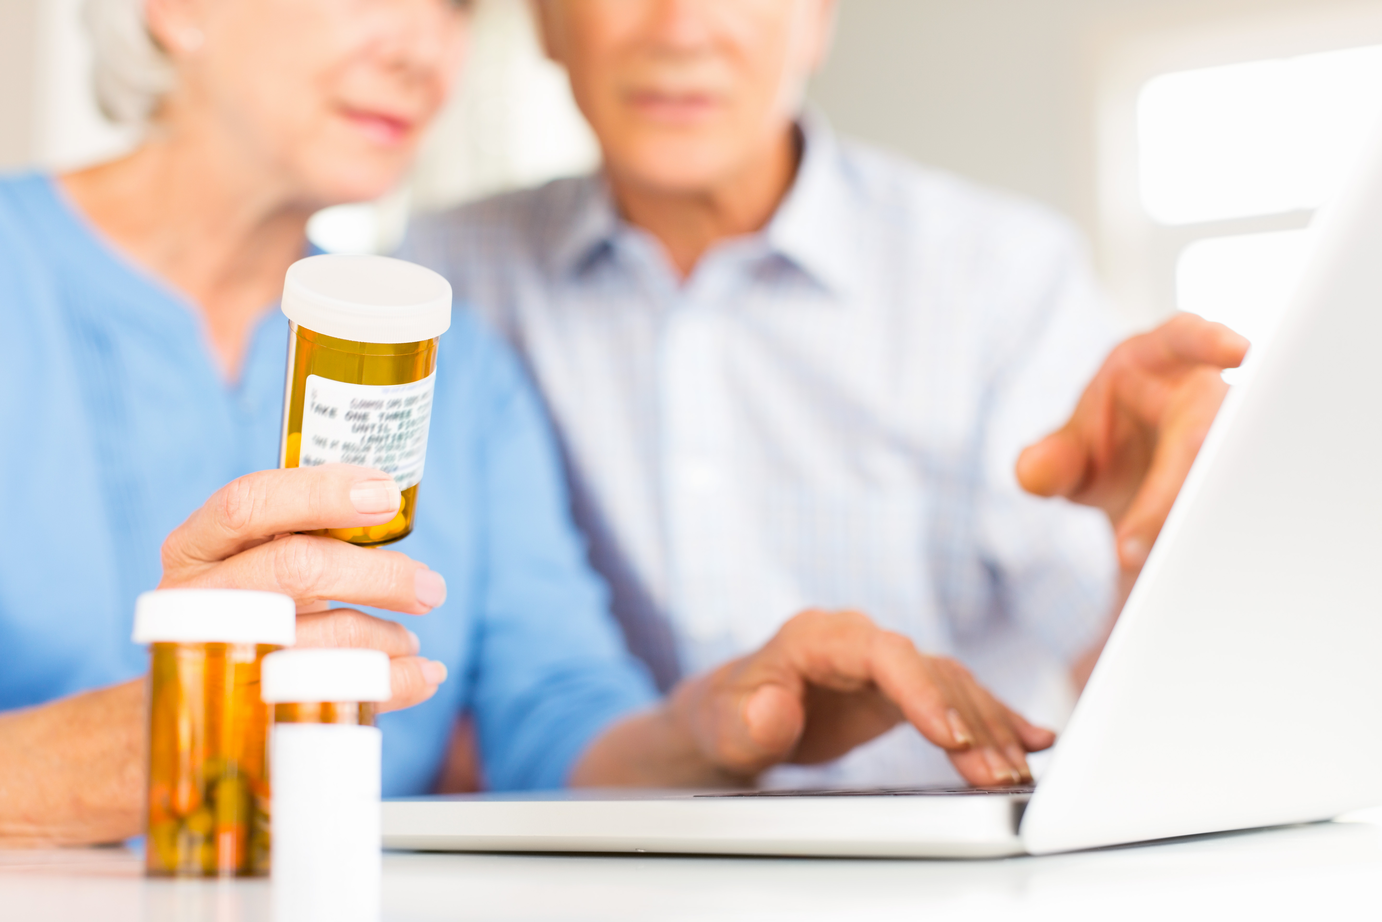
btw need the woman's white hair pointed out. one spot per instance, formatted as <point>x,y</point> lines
<point>130,72</point>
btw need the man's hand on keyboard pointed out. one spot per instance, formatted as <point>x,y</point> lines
<point>830,681</point>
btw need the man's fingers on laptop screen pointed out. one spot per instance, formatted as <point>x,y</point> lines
<point>1190,412</point>
<point>1188,338</point>
<point>1137,429</point>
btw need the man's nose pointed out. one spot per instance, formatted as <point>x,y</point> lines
<point>683,25</point>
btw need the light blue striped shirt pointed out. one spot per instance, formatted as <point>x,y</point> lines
<point>825,414</point>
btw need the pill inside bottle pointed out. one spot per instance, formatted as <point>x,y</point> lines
<point>362,359</point>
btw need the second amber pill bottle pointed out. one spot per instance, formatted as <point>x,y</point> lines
<point>362,359</point>
<point>208,794</point>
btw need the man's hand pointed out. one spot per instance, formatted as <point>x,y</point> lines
<point>1130,443</point>
<point>827,682</point>
<point>244,538</point>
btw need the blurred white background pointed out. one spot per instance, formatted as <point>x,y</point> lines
<point>1192,139</point>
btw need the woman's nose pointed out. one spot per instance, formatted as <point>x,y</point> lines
<point>427,37</point>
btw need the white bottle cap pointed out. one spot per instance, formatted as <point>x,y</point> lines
<point>325,674</point>
<point>367,299</point>
<point>214,616</point>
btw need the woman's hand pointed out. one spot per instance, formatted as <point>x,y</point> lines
<point>72,771</point>
<point>244,537</point>
<point>827,682</point>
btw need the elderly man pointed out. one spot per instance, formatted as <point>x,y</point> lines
<point>791,372</point>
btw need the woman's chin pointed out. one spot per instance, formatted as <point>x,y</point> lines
<point>341,185</point>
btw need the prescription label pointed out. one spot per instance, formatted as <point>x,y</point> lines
<point>378,426</point>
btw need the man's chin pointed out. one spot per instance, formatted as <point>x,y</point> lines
<point>679,166</point>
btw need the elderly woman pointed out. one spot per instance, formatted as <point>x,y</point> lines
<point>144,371</point>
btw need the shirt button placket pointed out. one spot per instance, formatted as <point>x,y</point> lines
<point>694,426</point>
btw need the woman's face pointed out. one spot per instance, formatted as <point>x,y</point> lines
<point>329,97</point>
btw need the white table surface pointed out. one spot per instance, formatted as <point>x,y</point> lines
<point>1324,871</point>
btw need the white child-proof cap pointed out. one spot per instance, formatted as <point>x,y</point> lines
<point>367,299</point>
<point>325,674</point>
<point>214,616</point>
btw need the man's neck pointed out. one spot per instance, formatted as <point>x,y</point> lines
<point>689,222</point>
<point>215,231</point>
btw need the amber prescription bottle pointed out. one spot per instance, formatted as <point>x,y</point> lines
<point>325,756</point>
<point>362,358</point>
<point>208,727</point>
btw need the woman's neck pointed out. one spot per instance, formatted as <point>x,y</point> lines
<point>689,223</point>
<point>214,231</point>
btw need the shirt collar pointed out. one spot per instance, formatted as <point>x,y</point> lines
<point>810,228</point>
<point>591,226</point>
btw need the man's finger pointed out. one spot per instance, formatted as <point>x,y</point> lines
<point>345,627</point>
<point>1034,738</point>
<point>306,567</point>
<point>1176,449</point>
<point>1055,466</point>
<point>254,508</point>
<point>986,761</point>
<point>772,719</point>
<point>413,680</point>
<point>1005,754</point>
<point>1139,527</point>
<point>919,689</point>
<point>743,725</point>
<point>1190,338</point>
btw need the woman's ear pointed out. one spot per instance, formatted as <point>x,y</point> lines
<point>548,22</point>
<point>176,25</point>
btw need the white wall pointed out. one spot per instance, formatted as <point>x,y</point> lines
<point>1002,90</point>
<point>18,69</point>
<point>48,115</point>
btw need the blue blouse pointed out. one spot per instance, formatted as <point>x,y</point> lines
<point>116,423</point>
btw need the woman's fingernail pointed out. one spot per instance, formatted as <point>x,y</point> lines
<point>374,497</point>
<point>429,587</point>
<point>434,672</point>
<point>1134,552</point>
<point>958,728</point>
<point>415,641</point>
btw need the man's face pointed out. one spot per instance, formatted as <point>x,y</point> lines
<point>686,94</point>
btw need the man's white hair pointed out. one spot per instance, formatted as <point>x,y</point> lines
<point>130,72</point>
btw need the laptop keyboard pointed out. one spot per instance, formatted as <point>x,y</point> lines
<point>879,792</point>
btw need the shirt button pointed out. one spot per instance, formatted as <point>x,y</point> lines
<point>698,477</point>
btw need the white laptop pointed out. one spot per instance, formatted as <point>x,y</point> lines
<point>1240,689</point>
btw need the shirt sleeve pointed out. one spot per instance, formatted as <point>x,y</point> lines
<point>1053,560</point>
<point>552,669</point>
